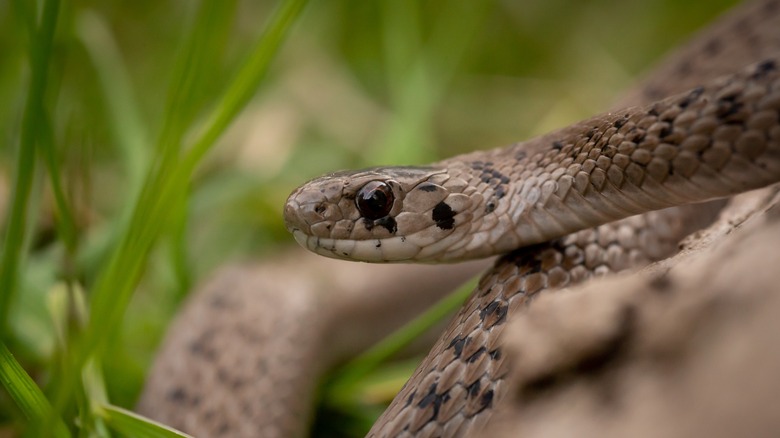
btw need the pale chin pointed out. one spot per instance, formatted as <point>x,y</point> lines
<point>394,249</point>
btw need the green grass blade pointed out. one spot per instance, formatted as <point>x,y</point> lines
<point>421,72</point>
<point>248,79</point>
<point>164,187</point>
<point>27,396</point>
<point>66,222</point>
<point>193,65</point>
<point>40,53</point>
<point>124,114</point>
<point>131,424</point>
<point>121,420</point>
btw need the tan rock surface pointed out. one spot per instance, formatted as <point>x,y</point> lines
<point>687,347</point>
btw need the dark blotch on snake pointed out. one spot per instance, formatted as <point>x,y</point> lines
<point>476,355</point>
<point>177,395</point>
<point>693,95</point>
<point>221,302</point>
<point>474,388</point>
<point>199,348</point>
<point>443,216</point>
<point>727,107</point>
<point>457,345</point>
<point>764,68</point>
<point>434,399</point>
<point>494,312</point>
<point>486,401</point>
<point>386,222</point>
<point>410,398</point>
<point>427,187</point>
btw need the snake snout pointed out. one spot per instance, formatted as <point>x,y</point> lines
<point>310,212</point>
<point>291,219</point>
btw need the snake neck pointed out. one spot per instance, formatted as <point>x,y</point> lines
<point>711,142</point>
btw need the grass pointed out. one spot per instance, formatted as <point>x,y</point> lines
<point>147,143</point>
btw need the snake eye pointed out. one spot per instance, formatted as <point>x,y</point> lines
<point>375,200</point>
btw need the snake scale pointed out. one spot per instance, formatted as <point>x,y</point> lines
<point>716,135</point>
<point>717,139</point>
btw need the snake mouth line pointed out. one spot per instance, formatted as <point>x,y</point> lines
<point>392,249</point>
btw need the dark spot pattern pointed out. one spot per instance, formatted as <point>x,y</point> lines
<point>764,68</point>
<point>691,97</point>
<point>476,355</point>
<point>433,399</point>
<point>620,122</point>
<point>486,400</point>
<point>457,345</point>
<point>474,388</point>
<point>494,313</point>
<point>177,395</point>
<point>387,222</point>
<point>728,107</point>
<point>494,178</point>
<point>443,216</point>
<point>427,187</point>
<point>410,398</point>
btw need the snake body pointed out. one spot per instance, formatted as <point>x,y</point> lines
<point>719,138</point>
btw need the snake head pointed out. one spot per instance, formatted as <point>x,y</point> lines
<point>389,214</point>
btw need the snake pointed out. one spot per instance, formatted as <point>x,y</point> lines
<point>597,197</point>
<point>244,355</point>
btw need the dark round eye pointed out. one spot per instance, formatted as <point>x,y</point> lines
<point>374,200</point>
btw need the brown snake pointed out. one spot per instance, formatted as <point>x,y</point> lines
<point>715,140</point>
<point>707,142</point>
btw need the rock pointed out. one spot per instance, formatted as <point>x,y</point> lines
<point>689,346</point>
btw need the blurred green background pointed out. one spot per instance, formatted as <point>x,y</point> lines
<point>356,83</point>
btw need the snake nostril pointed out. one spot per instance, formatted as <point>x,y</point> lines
<point>320,208</point>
